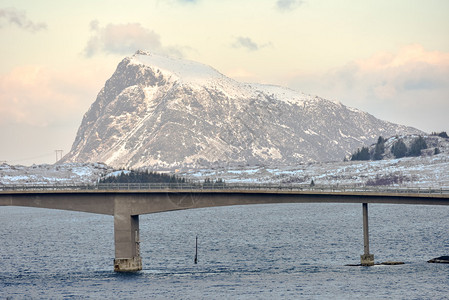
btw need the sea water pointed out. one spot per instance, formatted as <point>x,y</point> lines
<point>285,251</point>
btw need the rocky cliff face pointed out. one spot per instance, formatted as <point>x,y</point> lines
<point>168,113</point>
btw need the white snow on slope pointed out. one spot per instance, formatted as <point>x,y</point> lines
<point>65,174</point>
<point>415,172</point>
<point>185,70</point>
<point>202,75</point>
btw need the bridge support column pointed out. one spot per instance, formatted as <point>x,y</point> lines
<point>366,259</point>
<point>127,244</point>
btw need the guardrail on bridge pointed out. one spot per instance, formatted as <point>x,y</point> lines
<point>223,186</point>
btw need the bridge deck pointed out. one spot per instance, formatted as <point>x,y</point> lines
<point>144,201</point>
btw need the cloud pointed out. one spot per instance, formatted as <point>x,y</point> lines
<point>288,5</point>
<point>410,86</point>
<point>41,107</point>
<point>38,96</point>
<point>178,2</point>
<point>386,75</point>
<point>19,18</point>
<point>125,39</point>
<point>245,42</point>
<point>248,44</point>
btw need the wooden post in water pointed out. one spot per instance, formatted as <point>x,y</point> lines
<point>196,250</point>
<point>366,259</point>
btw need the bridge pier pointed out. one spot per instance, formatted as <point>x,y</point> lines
<point>127,244</point>
<point>366,259</point>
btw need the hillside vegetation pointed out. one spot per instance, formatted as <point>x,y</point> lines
<point>404,146</point>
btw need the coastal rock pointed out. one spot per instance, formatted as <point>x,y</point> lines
<point>392,263</point>
<point>440,260</point>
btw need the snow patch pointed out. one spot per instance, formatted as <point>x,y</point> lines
<point>181,69</point>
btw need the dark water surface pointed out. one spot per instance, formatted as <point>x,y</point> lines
<point>246,252</point>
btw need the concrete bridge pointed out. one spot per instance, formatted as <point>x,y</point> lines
<point>127,202</point>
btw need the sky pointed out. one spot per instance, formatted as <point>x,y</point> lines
<point>389,58</point>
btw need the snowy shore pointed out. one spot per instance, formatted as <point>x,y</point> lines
<point>417,172</point>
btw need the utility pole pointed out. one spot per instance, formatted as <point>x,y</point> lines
<point>58,155</point>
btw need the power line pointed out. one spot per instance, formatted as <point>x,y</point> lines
<point>30,158</point>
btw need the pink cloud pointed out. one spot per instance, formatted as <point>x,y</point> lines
<point>39,96</point>
<point>407,55</point>
<point>409,86</point>
<point>412,68</point>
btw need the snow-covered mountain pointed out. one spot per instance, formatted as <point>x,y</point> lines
<point>169,113</point>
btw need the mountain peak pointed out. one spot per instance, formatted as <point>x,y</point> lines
<point>142,52</point>
<point>185,71</point>
<point>195,74</point>
<point>165,112</point>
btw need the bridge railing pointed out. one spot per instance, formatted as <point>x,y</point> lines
<point>224,186</point>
